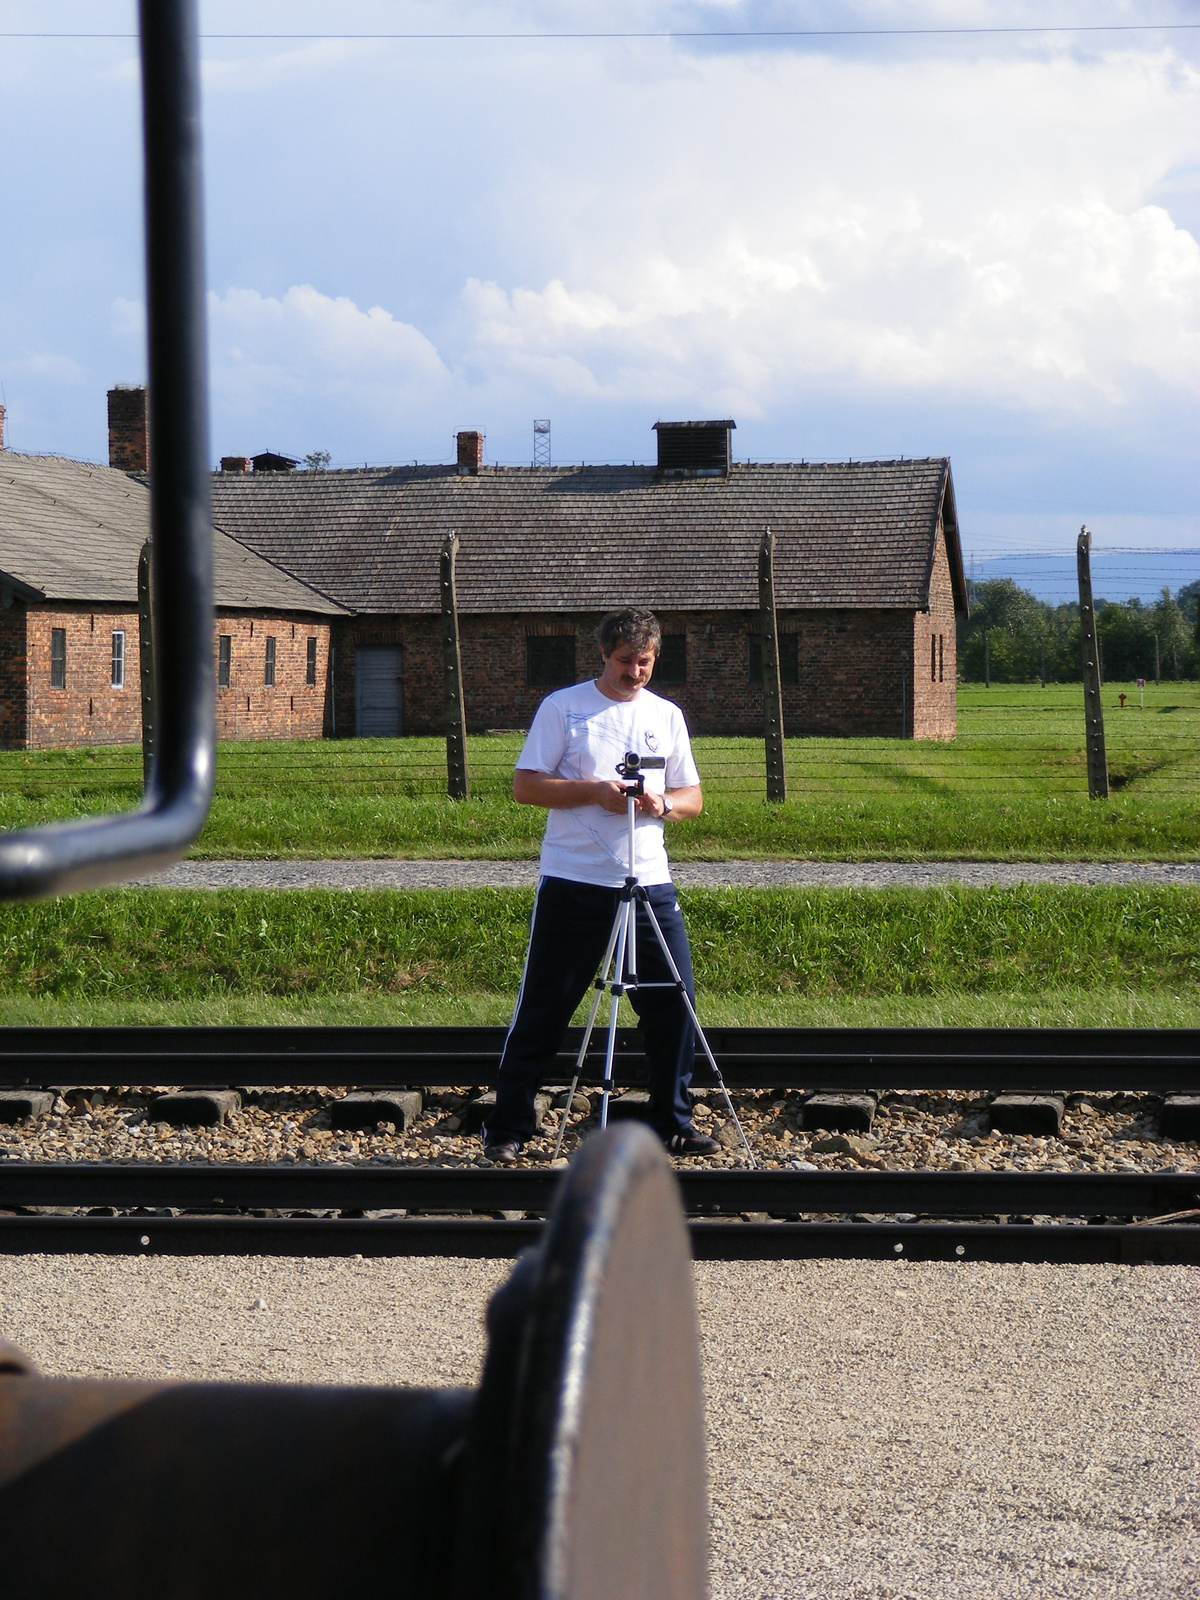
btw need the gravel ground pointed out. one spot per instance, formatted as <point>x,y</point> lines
<point>962,1431</point>
<point>877,1431</point>
<point>1101,1133</point>
<point>689,874</point>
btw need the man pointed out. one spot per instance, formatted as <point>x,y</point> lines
<point>569,766</point>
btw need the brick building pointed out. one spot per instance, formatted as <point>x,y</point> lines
<point>328,601</point>
<point>869,582</point>
<point>70,537</point>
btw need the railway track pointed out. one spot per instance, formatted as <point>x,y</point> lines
<point>229,1208</point>
<point>1033,1060</point>
<point>404,1208</point>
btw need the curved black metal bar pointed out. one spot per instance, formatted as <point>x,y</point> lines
<point>37,862</point>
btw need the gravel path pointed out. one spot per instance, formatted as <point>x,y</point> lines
<point>878,1430</point>
<point>689,874</point>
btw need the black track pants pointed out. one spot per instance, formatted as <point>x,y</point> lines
<point>571,926</point>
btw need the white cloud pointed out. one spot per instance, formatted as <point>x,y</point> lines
<point>51,367</point>
<point>972,244</point>
<point>266,66</point>
<point>272,357</point>
<point>980,232</point>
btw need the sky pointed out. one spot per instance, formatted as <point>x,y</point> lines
<point>857,244</point>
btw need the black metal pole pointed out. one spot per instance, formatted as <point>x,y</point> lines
<point>181,505</point>
<point>55,860</point>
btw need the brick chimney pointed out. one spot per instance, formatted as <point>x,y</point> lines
<point>128,430</point>
<point>235,463</point>
<point>470,454</point>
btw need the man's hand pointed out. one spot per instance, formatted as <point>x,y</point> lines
<point>563,794</point>
<point>611,797</point>
<point>684,802</point>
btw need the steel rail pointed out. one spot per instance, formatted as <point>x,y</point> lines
<point>230,1185</point>
<point>62,857</point>
<point>711,1241</point>
<point>1035,1060</point>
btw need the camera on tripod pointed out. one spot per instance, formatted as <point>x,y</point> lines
<point>619,969</point>
<point>633,767</point>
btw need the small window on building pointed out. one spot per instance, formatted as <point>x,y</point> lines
<point>789,658</point>
<point>269,670</point>
<point>118,658</point>
<point>941,658</point>
<point>933,658</point>
<point>58,658</point>
<point>550,662</point>
<point>310,665</point>
<point>672,659</point>
<point>224,660</point>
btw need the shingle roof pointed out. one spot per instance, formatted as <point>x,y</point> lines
<point>589,538</point>
<point>73,531</point>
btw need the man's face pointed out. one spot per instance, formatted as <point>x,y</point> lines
<point>626,671</point>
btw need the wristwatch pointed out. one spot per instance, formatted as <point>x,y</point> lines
<point>668,805</point>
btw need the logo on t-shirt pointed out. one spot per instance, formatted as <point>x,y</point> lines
<point>652,741</point>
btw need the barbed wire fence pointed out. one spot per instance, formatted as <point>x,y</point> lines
<point>1014,738</point>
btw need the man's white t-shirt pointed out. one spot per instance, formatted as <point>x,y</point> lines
<point>581,733</point>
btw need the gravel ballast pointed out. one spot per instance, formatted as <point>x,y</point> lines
<point>941,1131</point>
<point>877,1431</point>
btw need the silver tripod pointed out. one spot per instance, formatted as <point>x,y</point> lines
<point>618,972</point>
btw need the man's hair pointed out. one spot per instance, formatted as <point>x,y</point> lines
<point>634,626</point>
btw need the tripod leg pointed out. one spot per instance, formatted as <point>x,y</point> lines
<point>602,981</point>
<point>687,1000</point>
<point>582,1056</point>
<point>625,915</point>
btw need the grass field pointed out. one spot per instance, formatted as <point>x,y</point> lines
<point>1012,786</point>
<point>1030,956</point>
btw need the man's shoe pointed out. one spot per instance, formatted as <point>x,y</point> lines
<point>503,1154</point>
<point>692,1144</point>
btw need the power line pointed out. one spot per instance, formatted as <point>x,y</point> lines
<point>672,33</point>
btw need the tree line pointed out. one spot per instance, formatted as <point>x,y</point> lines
<point>1013,637</point>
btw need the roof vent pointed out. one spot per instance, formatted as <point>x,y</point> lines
<point>269,461</point>
<point>694,449</point>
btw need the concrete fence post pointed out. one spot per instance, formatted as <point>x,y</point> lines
<point>458,780</point>
<point>1097,758</point>
<point>772,675</point>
